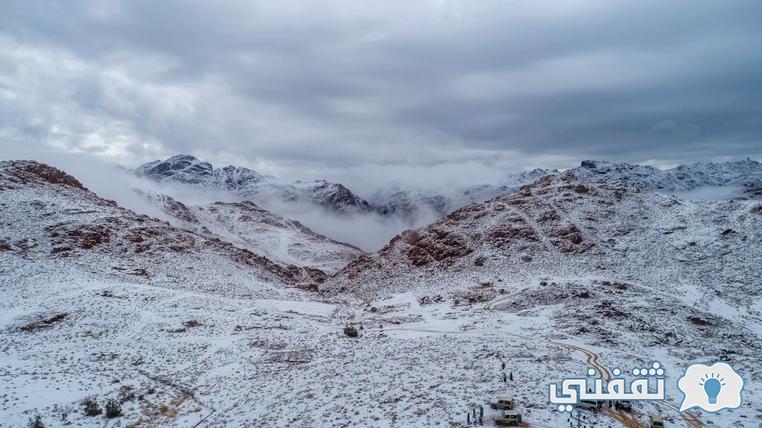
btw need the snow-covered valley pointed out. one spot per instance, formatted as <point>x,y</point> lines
<point>501,298</point>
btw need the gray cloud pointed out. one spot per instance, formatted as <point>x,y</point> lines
<point>314,87</point>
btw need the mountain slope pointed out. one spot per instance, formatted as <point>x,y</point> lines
<point>562,224</point>
<point>49,217</point>
<point>593,263</point>
<point>249,226</point>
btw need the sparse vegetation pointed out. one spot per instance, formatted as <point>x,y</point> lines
<point>113,409</point>
<point>428,300</point>
<point>168,411</point>
<point>90,407</point>
<point>192,323</point>
<point>351,331</point>
<point>36,422</point>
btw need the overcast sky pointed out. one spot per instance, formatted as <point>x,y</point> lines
<point>312,87</point>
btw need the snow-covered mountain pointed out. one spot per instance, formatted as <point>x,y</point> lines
<point>744,178</point>
<point>249,184</point>
<point>181,328</point>
<point>49,217</point>
<point>415,206</point>
<point>561,223</point>
<point>249,226</point>
<point>622,268</point>
<point>265,190</point>
<point>745,174</point>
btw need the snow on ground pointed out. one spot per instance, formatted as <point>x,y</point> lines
<point>281,359</point>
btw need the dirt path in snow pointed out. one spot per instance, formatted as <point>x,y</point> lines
<point>629,420</point>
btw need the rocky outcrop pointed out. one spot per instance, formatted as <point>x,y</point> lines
<point>23,173</point>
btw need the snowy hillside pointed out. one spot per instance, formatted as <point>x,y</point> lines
<point>630,271</point>
<point>246,225</point>
<point>560,223</point>
<point>49,216</point>
<point>741,179</point>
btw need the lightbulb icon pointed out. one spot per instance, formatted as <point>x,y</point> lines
<point>711,388</point>
<point>712,385</point>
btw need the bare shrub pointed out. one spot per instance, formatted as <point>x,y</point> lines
<point>351,331</point>
<point>90,407</point>
<point>113,409</point>
<point>36,422</point>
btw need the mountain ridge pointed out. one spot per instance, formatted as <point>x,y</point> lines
<point>247,183</point>
<point>558,219</point>
<point>415,205</point>
<point>54,217</point>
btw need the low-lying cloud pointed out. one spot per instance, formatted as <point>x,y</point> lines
<point>368,231</point>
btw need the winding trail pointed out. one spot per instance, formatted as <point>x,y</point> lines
<point>591,358</point>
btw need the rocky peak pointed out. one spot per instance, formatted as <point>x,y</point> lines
<point>182,168</point>
<point>337,196</point>
<point>18,173</point>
